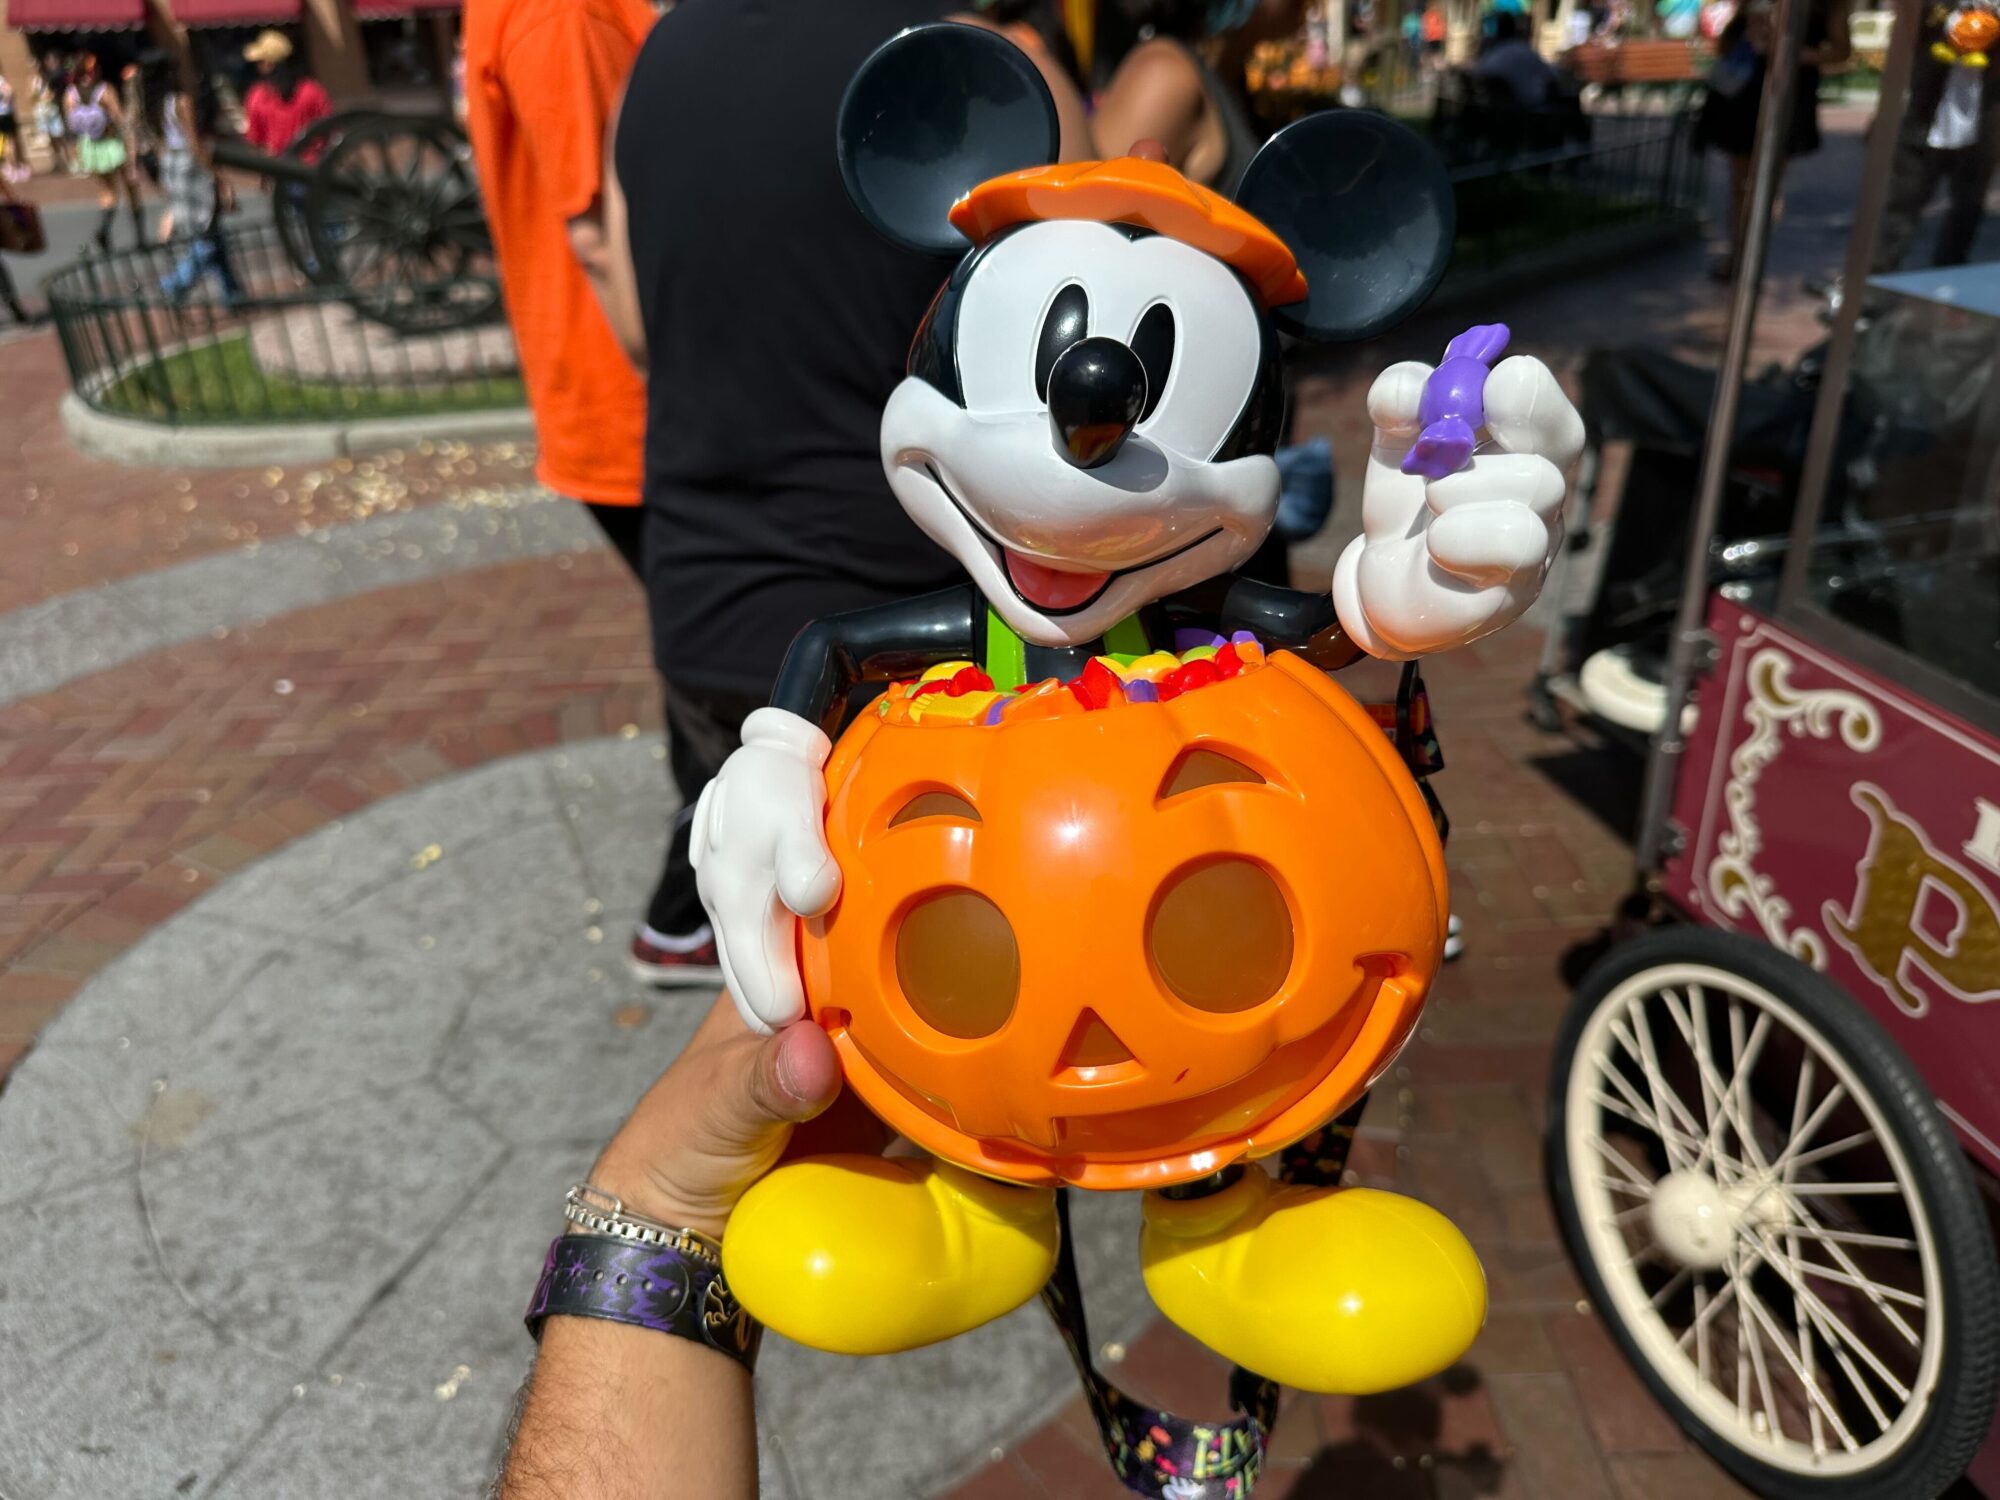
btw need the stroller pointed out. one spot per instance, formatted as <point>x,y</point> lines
<point>1618,577</point>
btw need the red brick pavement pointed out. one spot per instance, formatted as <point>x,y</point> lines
<point>72,521</point>
<point>126,794</point>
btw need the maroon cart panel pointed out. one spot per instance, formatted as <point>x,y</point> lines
<point>1856,827</point>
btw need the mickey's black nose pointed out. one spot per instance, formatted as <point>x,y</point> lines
<point>1097,388</point>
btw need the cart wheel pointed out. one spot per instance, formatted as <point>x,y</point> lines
<point>394,213</point>
<point>288,200</point>
<point>1779,1229</point>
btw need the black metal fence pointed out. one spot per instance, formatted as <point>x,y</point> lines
<point>1532,186</point>
<point>227,329</point>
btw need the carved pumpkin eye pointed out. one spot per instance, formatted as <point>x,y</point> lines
<point>957,963</point>
<point>1221,936</point>
<point>1199,768</point>
<point>936,805</point>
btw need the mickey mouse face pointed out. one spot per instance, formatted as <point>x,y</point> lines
<point>1195,341</point>
<point>1067,444</point>
<point>1094,397</point>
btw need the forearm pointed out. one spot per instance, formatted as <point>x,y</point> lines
<point>621,1413</point>
<point>832,657</point>
<point>592,248</point>
<point>1293,619</point>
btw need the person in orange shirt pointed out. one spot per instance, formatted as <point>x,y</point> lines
<point>542,78</point>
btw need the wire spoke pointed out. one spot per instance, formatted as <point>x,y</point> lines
<point>1631,1172</point>
<point>1859,1283</point>
<point>1674,1284</point>
<point>1775,1425</point>
<point>1841,1189</point>
<point>1711,1079</point>
<point>1657,1086</point>
<point>1818,1231</point>
<point>1814,1394</point>
<point>1828,1320</point>
<point>1699,1332</point>
<point>1801,1328</point>
<point>1645,1118</point>
<point>1821,1322</point>
<point>1711,1113</point>
<point>1788,1157</point>
<point>1832,1148</point>
<point>1627,1185</point>
<point>1656,1080</point>
<point>1847,1263</point>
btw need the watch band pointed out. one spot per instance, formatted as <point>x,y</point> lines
<point>649,1286</point>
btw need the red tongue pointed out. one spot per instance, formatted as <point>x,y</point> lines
<point>1045,586</point>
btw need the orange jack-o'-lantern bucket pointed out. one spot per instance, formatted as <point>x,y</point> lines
<point>1123,949</point>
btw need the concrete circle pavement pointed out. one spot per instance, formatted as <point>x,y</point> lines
<point>311,1135</point>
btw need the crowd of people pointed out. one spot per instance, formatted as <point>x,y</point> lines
<point>154,131</point>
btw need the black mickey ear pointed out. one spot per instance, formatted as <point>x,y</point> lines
<point>934,112</point>
<point>1365,205</point>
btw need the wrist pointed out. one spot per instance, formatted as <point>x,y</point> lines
<point>787,731</point>
<point>646,1193</point>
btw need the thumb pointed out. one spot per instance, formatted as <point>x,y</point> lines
<point>786,1078</point>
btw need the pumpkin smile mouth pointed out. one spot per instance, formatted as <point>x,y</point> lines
<point>1053,591</point>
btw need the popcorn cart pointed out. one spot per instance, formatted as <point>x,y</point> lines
<point>1775,1112</point>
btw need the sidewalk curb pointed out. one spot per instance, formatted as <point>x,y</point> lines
<point>127,440</point>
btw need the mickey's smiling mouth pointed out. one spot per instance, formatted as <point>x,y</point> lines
<point>1053,591</point>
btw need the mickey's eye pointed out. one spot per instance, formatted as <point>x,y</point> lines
<point>1153,342</point>
<point>1068,322</point>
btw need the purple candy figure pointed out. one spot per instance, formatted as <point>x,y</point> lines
<point>1453,405</point>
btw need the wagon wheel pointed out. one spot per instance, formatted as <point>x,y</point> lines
<point>1779,1229</point>
<point>394,213</point>
<point>288,201</point>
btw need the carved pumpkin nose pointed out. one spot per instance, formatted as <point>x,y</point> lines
<point>1097,389</point>
<point>1092,1044</point>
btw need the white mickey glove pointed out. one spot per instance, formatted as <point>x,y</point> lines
<point>1441,562</point>
<point>761,861</point>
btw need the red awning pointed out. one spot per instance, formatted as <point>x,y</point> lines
<point>235,12</point>
<point>75,15</point>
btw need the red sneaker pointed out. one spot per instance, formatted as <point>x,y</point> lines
<point>673,963</point>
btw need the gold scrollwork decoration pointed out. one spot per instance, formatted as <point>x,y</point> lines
<point>1775,707</point>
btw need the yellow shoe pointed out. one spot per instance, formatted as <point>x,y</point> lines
<point>1339,1290</point>
<point>859,1255</point>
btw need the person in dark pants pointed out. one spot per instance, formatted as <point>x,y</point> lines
<point>1734,96</point>
<point>1948,134</point>
<point>773,323</point>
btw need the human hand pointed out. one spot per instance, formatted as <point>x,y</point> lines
<point>1440,563</point>
<point>761,861</point>
<point>718,1119</point>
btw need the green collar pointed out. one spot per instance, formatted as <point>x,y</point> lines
<point>1007,653</point>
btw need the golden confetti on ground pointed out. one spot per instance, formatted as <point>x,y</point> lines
<point>427,856</point>
<point>449,1387</point>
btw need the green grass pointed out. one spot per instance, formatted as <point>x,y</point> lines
<point>221,382</point>
<point>1507,218</point>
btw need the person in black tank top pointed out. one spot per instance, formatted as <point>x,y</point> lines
<point>776,325</point>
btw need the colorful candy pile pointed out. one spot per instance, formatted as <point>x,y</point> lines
<point>958,692</point>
